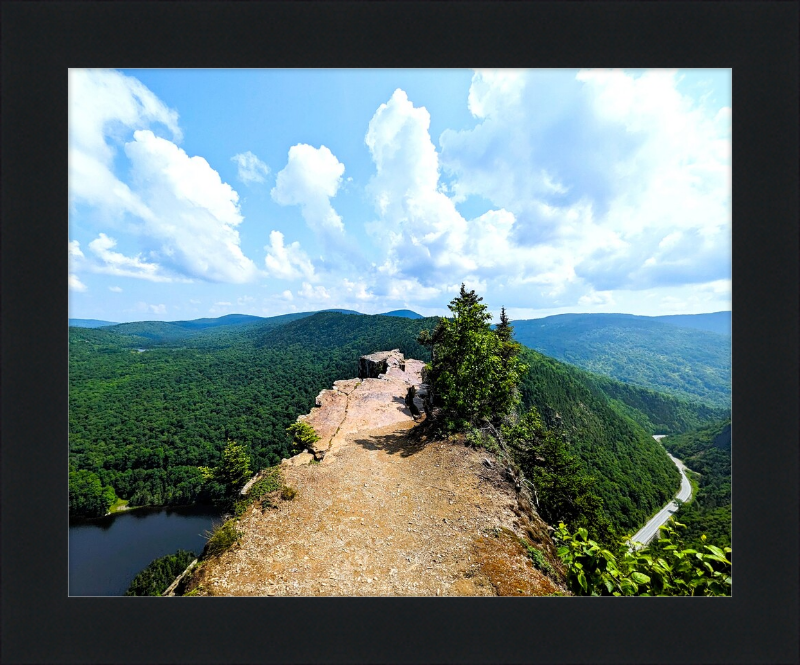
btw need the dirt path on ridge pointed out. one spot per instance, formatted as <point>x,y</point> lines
<point>386,513</point>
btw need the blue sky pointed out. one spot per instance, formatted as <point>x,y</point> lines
<point>197,193</point>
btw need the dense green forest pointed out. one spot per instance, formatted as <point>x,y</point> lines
<point>632,475</point>
<point>656,412</point>
<point>706,451</point>
<point>689,363</point>
<point>143,422</point>
<point>152,402</point>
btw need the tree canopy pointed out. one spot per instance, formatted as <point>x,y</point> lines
<point>474,371</point>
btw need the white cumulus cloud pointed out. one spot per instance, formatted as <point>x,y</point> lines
<point>75,284</point>
<point>287,262</point>
<point>195,214</point>
<point>104,105</point>
<point>251,168</point>
<point>615,181</point>
<point>116,263</point>
<point>311,177</point>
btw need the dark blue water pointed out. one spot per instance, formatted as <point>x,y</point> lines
<point>106,554</point>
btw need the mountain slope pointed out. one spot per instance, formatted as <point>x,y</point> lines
<point>144,422</point>
<point>716,322</point>
<point>633,476</point>
<point>692,364</point>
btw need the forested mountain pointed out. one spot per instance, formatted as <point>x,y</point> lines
<point>90,323</point>
<point>633,477</point>
<point>706,451</point>
<point>143,422</point>
<point>689,363</point>
<point>406,313</point>
<point>716,322</point>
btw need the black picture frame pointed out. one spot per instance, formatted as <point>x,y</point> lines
<point>758,40</point>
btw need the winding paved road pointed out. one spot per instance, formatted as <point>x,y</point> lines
<point>649,530</point>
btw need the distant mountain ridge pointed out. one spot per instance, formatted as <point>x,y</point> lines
<point>671,357</point>
<point>235,319</point>
<point>90,323</point>
<point>716,322</point>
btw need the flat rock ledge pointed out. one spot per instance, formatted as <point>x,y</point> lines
<point>383,394</point>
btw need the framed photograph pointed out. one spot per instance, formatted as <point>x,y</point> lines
<point>375,332</point>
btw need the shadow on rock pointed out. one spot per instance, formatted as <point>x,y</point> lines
<point>393,444</point>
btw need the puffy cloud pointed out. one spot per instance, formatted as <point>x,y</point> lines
<point>431,245</point>
<point>103,104</point>
<point>195,214</point>
<point>158,309</point>
<point>311,177</point>
<point>75,249</point>
<point>251,168</point>
<point>185,215</point>
<point>314,294</point>
<point>115,263</point>
<point>75,284</point>
<point>287,262</point>
<point>613,180</point>
<point>428,233</point>
<point>115,289</point>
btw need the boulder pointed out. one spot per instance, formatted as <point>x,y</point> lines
<point>373,365</point>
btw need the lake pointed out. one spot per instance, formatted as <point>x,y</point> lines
<point>107,553</point>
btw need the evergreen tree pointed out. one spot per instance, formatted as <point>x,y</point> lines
<point>234,469</point>
<point>470,379</point>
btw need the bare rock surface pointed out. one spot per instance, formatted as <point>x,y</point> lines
<point>387,512</point>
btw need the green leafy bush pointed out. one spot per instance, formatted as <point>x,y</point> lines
<point>288,493</point>
<point>674,571</point>
<point>303,435</point>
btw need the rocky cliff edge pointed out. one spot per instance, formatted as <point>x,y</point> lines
<point>387,510</point>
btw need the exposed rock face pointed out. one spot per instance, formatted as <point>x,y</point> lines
<point>387,512</point>
<point>375,364</point>
<point>375,399</point>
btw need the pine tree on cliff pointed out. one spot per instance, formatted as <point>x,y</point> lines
<point>471,381</point>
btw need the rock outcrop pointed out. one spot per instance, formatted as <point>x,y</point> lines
<point>388,511</point>
<point>376,399</point>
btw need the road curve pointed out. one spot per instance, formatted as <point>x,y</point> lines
<point>649,530</point>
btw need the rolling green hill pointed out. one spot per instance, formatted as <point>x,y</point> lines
<point>685,362</point>
<point>142,423</point>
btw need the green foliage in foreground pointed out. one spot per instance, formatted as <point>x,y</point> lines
<point>159,574</point>
<point>222,537</point>
<point>675,570</point>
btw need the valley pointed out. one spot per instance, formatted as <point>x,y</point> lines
<point>143,423</point>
